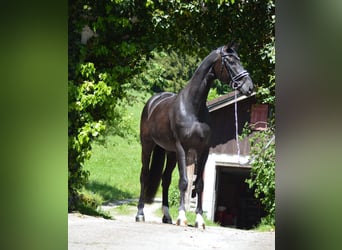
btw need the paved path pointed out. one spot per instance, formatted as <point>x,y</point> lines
<point>86,232</point>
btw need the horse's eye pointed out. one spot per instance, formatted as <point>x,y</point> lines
<point>232,59</point>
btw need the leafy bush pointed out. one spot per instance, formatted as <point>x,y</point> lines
<point>262,177</point>
<point>89,103</point>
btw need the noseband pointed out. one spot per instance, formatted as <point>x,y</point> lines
<point>234,82</point>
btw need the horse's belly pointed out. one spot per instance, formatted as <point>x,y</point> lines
<point>197,135</point>
<point>166,142</point>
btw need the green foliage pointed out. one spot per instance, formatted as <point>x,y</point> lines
<point>98,72</point>
<point>262,177</point>
<point>174,196</point>
<point>266,225</point>
<point>171,71</point>
<point>90,204</point>
<point>167,71</point>
<point>88,106</point>
<point>249,22</point>
<point>266,92</point>
<point>212,94</point>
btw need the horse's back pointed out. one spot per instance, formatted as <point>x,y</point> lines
<point>155,120</point>
<point>155,101</point>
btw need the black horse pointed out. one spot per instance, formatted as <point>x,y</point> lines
<point>178,127</point>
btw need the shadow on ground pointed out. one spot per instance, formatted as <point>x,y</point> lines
<point>107,192</point>
<point>91,204</point>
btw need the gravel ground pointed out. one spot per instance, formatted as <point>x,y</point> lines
<point>86,232</point>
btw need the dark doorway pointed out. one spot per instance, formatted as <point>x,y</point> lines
<point>236,205</point>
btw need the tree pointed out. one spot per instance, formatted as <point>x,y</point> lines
<point>166,71</point>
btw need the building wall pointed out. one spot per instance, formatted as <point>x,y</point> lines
<point>210,184</point>
<point>223,128</point>
<point>223,151</point>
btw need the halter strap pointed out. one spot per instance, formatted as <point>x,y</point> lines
<point>234,80</point>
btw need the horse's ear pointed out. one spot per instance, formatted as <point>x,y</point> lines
<point>233,45</point>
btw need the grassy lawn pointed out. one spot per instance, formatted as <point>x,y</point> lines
<point>115,163</point>
<point>114,169</point>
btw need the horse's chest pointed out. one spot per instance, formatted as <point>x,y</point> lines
<point>196,133</point>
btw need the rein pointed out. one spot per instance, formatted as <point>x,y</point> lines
<point>235,84</point>
<point>236,128</point>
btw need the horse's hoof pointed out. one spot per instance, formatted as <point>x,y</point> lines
<point>167,220</point>
<point>140,218</point>
<point>198,225</point>
<point>182,222</point>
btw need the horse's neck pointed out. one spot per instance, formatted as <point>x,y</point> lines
<point>196,91</point>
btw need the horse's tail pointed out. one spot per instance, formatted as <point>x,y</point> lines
<point>155,174</point>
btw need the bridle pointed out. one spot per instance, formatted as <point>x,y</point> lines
<point>234,82</point>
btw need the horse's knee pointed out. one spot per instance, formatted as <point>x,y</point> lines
<point>165,183</point>
<point>199,186</point>
<point>183,185</point>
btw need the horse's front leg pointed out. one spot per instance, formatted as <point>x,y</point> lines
<point>182,185</point>
<point>199,185</point>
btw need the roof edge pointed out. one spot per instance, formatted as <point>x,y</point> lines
<point>226,100</point>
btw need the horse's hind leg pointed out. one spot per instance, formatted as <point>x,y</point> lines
<point>166,180</point>
<point>147,148</point>
<point>182,185</point>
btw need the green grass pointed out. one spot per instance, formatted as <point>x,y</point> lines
<point>115,162</point>
<point>264,228</point>
<point>114,169</point>
<point>125,209</point>
<point>266,225</point>
<point>90,205</point>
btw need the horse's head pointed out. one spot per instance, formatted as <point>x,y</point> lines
<point>229,70</point>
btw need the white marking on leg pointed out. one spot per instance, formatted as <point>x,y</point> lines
<point>182,220</point>
<point>199,221</point>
